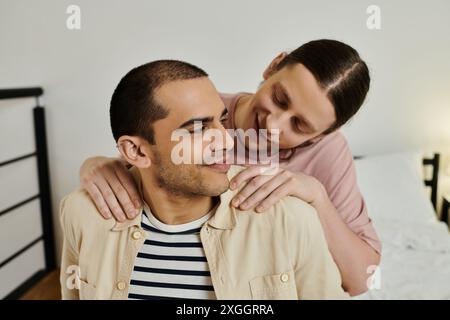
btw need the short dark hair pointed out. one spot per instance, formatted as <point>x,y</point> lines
<point>133,107</point>
<point>339,70</point>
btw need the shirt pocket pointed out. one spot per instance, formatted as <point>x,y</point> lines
<point>87,291</point>
<point>274,287</point>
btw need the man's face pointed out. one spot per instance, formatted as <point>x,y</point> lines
<point>292,101</point>
<point>188,101</point>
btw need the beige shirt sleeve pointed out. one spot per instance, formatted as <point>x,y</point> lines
<point>69,273</point>
<point>317,275</point>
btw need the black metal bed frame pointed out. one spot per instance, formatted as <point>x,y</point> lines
<point>433,182</point>
<point>44,190</point>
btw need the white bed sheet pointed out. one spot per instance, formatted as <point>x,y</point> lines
<point>415,260</point>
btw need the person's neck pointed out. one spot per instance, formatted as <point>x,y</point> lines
<point>242,109</point>
<point>171,208</point>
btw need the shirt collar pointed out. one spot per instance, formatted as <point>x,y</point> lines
<point>225,216</point>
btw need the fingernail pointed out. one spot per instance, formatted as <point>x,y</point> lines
<point>235,202</point>
<point>233,185</point>
<point>137,204</point>
<point>259,208</point>
<point>107,215</point>
<point>244,206</point>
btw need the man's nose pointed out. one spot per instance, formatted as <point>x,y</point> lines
<point>225,143</point>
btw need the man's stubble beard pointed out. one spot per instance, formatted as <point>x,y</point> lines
<point>183,180</point>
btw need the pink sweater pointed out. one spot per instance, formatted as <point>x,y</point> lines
<point>331,162</point>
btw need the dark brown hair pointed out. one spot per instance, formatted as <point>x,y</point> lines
<point>133,107</point>
<point>339,70</point>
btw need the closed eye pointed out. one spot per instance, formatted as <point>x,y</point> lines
<point>297,125</point>
<point>301,126</point>
<point>279,102</point>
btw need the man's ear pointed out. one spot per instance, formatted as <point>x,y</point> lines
<point>272,68</point>
<point>135,150</point>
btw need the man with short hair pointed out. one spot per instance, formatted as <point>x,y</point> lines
<point>187,241</point>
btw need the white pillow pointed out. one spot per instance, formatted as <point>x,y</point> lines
<point>393,187</point>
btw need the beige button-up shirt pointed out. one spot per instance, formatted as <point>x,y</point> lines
<point>279,254</point>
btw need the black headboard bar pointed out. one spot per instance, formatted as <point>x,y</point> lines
<point>21,92</point>
<point>32,92</point>
<point>44,186</point>
<point>4,163</point>
<point>433,182</point>
<point>44,189</point>
<point>17,205</point>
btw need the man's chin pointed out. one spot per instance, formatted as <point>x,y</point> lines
<point>216,179</point>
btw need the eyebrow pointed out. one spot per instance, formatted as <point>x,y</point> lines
<point>202,119</point>
<point>288,99</point>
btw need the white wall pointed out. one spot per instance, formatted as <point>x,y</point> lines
<point>408,106</point>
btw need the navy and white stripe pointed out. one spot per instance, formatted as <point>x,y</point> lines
<point>171,264</point>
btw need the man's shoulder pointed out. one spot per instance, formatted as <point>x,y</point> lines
<point>78,210</point>
<point>297,212</point>
<point>290,216</point>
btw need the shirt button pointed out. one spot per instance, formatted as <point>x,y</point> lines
<point>137,235</point>
<point>121,285</point>
<point>284,277</point>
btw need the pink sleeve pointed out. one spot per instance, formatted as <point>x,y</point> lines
<point>336,171</point>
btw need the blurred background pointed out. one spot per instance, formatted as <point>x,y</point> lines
<point>408,106</point>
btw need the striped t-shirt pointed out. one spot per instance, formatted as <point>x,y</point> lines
<point>172,263</point>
